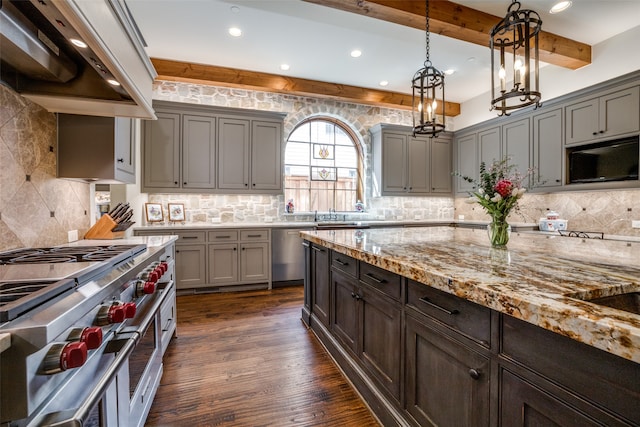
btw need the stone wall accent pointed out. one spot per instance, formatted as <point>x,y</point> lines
<point>36,208</point>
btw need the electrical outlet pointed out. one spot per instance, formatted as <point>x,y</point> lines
<point>72,235</point>
<point>635,224</point>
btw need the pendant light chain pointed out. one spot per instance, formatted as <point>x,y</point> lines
<point>426,31</point>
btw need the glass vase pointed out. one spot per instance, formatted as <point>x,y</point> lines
<point>499,232</point>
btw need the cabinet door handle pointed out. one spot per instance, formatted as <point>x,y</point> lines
<point>175,182</point>
<point>243,249</point>
<point>431,304</point>
<point>341,263</point>
<point>184,183</point>
<point>254,184</point>
<point>595,133</point>
<point>317,249</point>
<point>306,244</point>
<point>235,249</point>
<point>120,160</point>
<point>374,278</point>
<point>246,185</point>
<point>474,373</point>
<point>356,296</point>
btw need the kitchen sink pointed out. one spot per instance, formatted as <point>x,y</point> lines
<point>333,225</point>
<point>627,299</point>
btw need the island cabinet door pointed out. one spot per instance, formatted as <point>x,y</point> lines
<point>447,383</point>
<point>344,316</point>
<point>320,285</point>
<point>380,334</point>
<point>522,404</point>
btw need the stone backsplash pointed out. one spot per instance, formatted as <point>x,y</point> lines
<point>36,208</point>
<point>608,211</point>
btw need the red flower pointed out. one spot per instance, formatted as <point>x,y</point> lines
<point>504,187</point>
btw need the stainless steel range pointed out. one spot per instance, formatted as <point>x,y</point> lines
<point>88,326</point>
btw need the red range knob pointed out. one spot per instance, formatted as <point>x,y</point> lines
<point>149,275</point>
<point>144,288</point>
<point>113,313</point>
<point>92,337</point>
<point>129,310</point>
<point>73,355</point>
<point>164,266</point>
<point>160,271</point>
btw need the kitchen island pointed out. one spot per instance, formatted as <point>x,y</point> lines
<point>423,319</point>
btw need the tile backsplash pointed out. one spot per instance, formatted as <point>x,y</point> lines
<point>36,208</point>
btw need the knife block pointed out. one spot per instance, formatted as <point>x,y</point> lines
<point>102,230</point>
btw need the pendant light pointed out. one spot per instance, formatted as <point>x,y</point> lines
<point>514,77</point>
<point>428,93</point>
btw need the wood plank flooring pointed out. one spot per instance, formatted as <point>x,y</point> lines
<point>246,359</point>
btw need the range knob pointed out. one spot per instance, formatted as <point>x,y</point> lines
<point>107,315</point>
<point>144,288</point>
<point>150,275</point>
<point>129,310</point>
<point>164,266</point>
<point>63,356</point>
<point>91,336</point>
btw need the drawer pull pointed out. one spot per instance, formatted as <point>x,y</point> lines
<point>189,237</point>
<point>356,296</point>
<point>429,303</point>
<point>474,373</point>
<point>254,235</point>
<point>341,263</point>
<point>374,278</point>
<point>317,249</point>
<point>223,237</point>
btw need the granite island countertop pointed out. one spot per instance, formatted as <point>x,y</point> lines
<point>538,279</point>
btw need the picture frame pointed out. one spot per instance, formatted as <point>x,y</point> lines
<point>176,212</point>
<point>153,212</point>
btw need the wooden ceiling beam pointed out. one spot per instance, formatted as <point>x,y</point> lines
<point>230,77</point>
<point>462,23</point>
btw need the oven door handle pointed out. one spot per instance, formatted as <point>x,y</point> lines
<point>78,416</point>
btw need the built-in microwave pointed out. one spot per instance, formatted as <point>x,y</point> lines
<point>604,162</point>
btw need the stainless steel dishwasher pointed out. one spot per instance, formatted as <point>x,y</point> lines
<point>287,256</point>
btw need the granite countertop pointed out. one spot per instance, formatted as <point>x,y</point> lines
<point>538,279</point>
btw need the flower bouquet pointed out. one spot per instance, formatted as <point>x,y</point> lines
<point>498,191</point>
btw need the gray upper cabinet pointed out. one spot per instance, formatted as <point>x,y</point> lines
<point>162,152</point>
<point>516,145</point>
<point>405,165</point>
<point>198,152</point>
<point>606,116</point>
<point>96,149</point>
<point>467,161</point>
<point>233,150</point>
<point>547,148</point>
<point>266,155</point>
<point>250,155</point>
<point>489,146</point>
<point>195,148</point>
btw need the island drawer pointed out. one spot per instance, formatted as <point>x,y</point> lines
<point>468,318</point>
<point>344,263</point>
<point>188,237</point>
<point>221,236</point>
<point>385,281</point>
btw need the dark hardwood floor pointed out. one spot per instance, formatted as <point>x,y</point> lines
<point>246,359</point>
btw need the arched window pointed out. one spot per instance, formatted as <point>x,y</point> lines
<point>322,168</point>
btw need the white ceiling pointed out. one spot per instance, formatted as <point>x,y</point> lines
<point>316,41</point>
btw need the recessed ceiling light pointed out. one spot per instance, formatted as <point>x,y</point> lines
<point>284,67</point>
<point>356,53</point>
<point>449,71</point>
<point>113,82</point>
<point>384,83</point>
<point>78,43</point>
<point>235,9</point>
<point>235,31</point>
<point>560,6</point>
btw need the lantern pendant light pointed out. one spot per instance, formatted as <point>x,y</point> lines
<point>428,94</point>
<point>514,77</point>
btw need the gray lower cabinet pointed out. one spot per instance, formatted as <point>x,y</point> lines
<point>447,383</point>
<point>190,266</point>
<point>405,165</point>
<point>423,357</point>
<point>220,257</point>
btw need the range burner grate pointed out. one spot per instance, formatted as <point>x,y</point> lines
<point>65,254</point>
<point>17,298</point>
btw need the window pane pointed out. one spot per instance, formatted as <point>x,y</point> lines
<point>300,134</point>
<point>346,156</point>
<point>296,153</point>
<point>322,132</point>
<point>342,138</point>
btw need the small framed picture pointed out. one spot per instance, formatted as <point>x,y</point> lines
<point>154,212</point>
<point>176,212</point>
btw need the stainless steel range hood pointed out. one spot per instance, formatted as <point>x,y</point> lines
<point>110,76</point>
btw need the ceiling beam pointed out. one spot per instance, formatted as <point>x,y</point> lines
<point>462,23</point>
<point>231,77</point>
